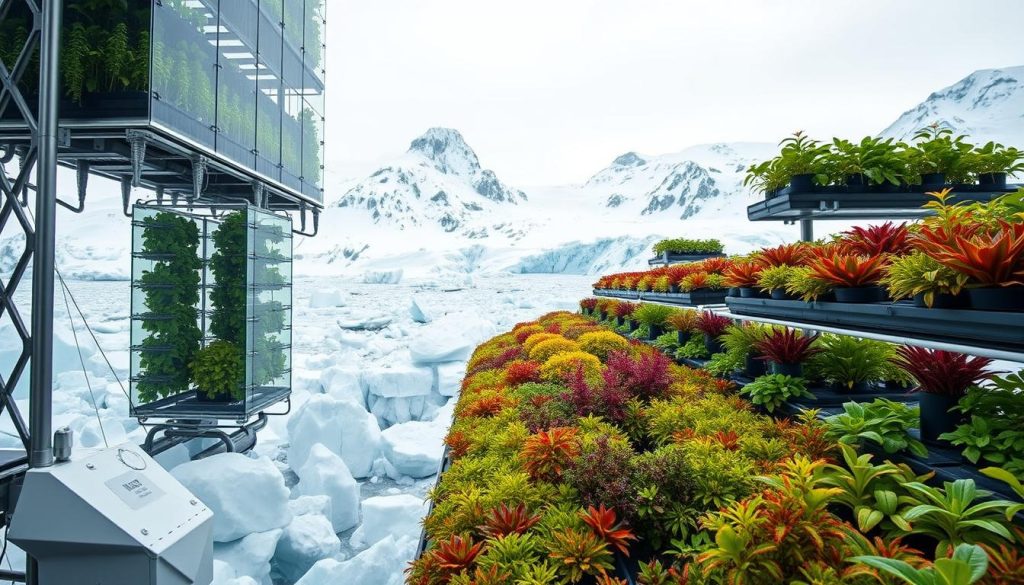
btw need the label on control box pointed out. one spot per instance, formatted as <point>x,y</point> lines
<point>134,489</point>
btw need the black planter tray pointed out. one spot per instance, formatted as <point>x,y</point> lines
<point>618,294</point>
<point>986,329</point>
<point>841,203</point>
<point>668,258</point>
<point>695,298</point>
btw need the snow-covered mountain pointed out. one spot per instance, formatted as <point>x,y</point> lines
<point>439,181</point>
<point>987,105</point>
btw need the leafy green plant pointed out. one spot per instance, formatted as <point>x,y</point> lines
<point>995,431</point>
<point>687,246</point>
<point>802,283</point>
<point>883,422</point>
<point>870,491</point>
<point>776,277</point>
<point>653,315</point>
<point>847,361</point>
<point>228,265</point>
<point>938,151</point>
<point>171,288</point>
<point>967,565</point>
<point>218,369</point>
<point>774,390</point>
<point>876,159</point>
<point>801,155</point>
<point>918,273</point>
<point>693,349</point>
<point>995,158</point>
<point>767,177</point>
<point>952,516</point>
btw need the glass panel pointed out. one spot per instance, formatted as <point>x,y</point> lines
<point>269,103</point>
<point>314,37</point>
<point>312,152</point>
<point>270,297</point>
<point>291,139</point>
<point>184,62</point>
<point>237,81</point>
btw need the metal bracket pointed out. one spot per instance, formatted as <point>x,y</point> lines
<point>137,140</point>
<point>126,195</point>
<point>259,192</point>
<point>302,222</point>
<point>199,166</point>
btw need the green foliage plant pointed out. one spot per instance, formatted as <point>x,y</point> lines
<point>688,246</point>
<point>776,277</point>
<point>871,492</point>
<point>917,273</point>
<point>967,565</point>
<point>651,314</point>
<point>879,160</point>
<point>846,361</point>
<point>219,369</point>
<point>936,150</point>
<point>957,513</point>
<point>774,390</point>
<point>883,422</point>
<point>994,431</point>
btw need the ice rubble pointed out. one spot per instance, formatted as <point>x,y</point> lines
<point>382,564</point>
<point>382,276</point>
<point>385,516</point>
<point>325,474</point>
<point>308,539</point>
<point>341,426</point>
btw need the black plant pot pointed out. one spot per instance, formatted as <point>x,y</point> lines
<point>992,180</point>
<point>795,370</point>
<point>943,301</point>
<point>888,187</point>
<point>604,315</point>
<point>633,325</point>
<point>858,388</point>
<point>620,321</point>
<point>749,292</point>
<point>997,298</point>
<point>712,344</point>
<point>856,181</point>
<point>861,294</point>
<point>754,366</point>
<point>674,289</point>
<point>935,415</point>
<point>780,294</point>
<point>222,398</point>
<point>734,291</point>
<point>683,337</point>
<point>933,179</point>
<point>654,332</point>
<point>801,183</point>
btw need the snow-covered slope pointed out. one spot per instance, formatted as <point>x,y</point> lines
<point>987,105</point>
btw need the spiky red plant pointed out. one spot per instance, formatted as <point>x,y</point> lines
<point>849,271</point>
<point>877,240</point>
<point>625,309</point>
<point>742,274</point>
<point>606,579</point>
<point>457,553</point>
<point>586,398</point>
<point>497,361</point>
<point>486,406</point>
<point>786,346</point>
<point>588,304</point>
<point>458,444</point>
<point>989,259</point>
<point>730,440</point>
<point>521,372</point>
<point>716,265</point>
<point>645,375</point>
<point>548,453</point>
<point>605,526</point>
<point>795,254</point>
<point>680,271</point>
<point>502,521</point>
<point>1006,565</point>
<point>942,372</point>
<point>712,324</point>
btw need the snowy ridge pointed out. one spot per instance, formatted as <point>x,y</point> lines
<point>987,105</point>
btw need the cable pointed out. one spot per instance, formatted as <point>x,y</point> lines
<point>81,360</point>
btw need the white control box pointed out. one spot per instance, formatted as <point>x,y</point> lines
<point>113,517</point>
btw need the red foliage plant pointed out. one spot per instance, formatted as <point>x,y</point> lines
<point>645,375</point>
<point>502,521</point>
<point>521,372</point>
<point>486,406</point>
<point>625,309</point>
<point>877,240</point>
<point>588,304</point>
<point>458,444</point>
<point>608,402</point>
<point>796,254</point>
<point>848,270</point>
<point>605,526</point>
<point>457,553</point>
<point>680,271</point>
<point>730,440</point>
<point>715,265</point>
<point>786,346</point>
<point>549,452</point>
<point>496,361</point>
<point>742,274</point>
<point>942,372</point>
<point>712,324</point>
<point>989,259</point>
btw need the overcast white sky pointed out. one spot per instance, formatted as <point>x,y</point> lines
<point>550,91</point>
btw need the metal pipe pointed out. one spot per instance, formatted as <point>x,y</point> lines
<point>807,230</point>
<point>41,399</point>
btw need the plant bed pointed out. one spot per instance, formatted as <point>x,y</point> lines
<point>618,294</point>
<point>696,298</point>
<point>668,258</point>
<point>993,329</point>
<point>837,203</point>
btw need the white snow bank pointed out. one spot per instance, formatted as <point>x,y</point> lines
<point>326,298</point>
<point>324,473</point>
<point>420,311</point>
<point>389,516</point>
<point>451,338</point>
<point>383,564</point>
<point>250,556</point>
<point>310,505</point>
<point>308,539</point>
<point>398,380</point>
<point>382,276</point>
<point>343,383</point>
<point>365,322</point>
<point>246,495</point>
<point>449,378</point>
<point>343,427</point>
<point>415,448</point>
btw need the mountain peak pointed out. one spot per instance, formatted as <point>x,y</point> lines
<point>630,159</point>
<point>448,151</point>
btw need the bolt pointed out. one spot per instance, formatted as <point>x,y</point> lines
<point>193,502</point>
<point>145,532</point>
<point>90,466</point>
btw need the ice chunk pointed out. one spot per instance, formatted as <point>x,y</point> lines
<point>90,434</point>
<point>385,516</point>
<point>324,473</point>
<point>365,322</point>
<point>246,495</point>
<point>322,299</point>
<point>419,311</point>
<point>343,427</point>
<point>398,380</point>
<point>383,564</point>
<point>382,276</point>
<point>310,505</point>
<point>449,378</point>
<point>250,556</point>
<point>414,448</point>
<point>308,539</point>
<point>451,338</point>
<point>343,383</point>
